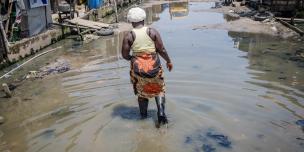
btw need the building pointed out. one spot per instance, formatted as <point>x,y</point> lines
<point>36,17</point>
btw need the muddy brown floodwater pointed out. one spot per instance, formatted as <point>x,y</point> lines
<point>229,91</point>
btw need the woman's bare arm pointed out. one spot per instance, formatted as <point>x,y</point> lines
<point>126,46</point>
<point>160,47</point>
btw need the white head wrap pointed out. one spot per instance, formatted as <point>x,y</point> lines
<point>136,14</point>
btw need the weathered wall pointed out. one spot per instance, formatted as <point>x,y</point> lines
<point>32,45</point>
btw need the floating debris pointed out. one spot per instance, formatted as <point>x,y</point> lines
<point>59,66</point>
<point>32,74</point>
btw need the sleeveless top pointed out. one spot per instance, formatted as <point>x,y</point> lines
<point>142,42</point>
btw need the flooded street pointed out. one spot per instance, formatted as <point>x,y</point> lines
<point>228,91</point>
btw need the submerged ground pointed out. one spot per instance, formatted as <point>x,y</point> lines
<point>229,91</point>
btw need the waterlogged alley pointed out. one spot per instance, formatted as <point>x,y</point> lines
<point>228,91</point>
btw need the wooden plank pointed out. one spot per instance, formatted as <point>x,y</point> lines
<point>68,25</point>
<point>291,27</point>
<point>88,23</point>
<point>4,42</point>
<point>9,15</point>
<point>288,19</point>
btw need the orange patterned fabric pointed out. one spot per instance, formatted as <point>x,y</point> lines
<point>152,88</point>
<point>147,75</point>
<point>145,62</point>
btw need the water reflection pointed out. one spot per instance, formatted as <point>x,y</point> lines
<point>269,63</point>
<point>178,10</point>
<point>265,54</point>
<point>153,12</point>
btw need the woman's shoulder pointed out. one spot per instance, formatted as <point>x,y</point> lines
<point>152,32</point>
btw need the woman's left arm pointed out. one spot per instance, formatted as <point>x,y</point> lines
<point>160,49</point>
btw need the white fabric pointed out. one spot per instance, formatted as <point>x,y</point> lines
<point>136,15</point>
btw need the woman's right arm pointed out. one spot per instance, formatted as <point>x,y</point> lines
<point>126,46</point>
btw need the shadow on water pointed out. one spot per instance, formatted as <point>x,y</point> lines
<point>130,113</point>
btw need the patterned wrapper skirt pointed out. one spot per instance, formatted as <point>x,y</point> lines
<point>147,75</point>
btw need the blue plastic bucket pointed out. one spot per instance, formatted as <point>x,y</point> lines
<point>94,4</point>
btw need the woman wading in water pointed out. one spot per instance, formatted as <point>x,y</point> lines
<point>146,71</point>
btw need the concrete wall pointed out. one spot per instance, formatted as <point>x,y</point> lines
<point>29,46</point>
